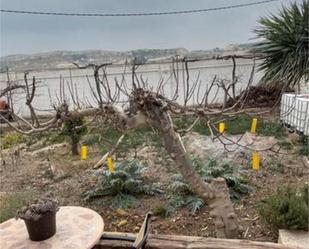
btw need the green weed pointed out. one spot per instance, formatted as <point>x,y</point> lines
<point>304,146</point>
<point>160,211</point>
<point>270,128</point>
<point>11,203</point>
<point>286,145</point>
<point>12,139</point>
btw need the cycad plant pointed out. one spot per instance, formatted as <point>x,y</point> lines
<point>285,45</point>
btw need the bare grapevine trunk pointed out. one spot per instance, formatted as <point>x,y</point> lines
<point>74,148</point>
<point>215,194</point>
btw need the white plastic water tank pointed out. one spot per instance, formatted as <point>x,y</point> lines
<point>294,111</point>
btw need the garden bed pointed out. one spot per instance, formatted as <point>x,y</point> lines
<point>56,174</point>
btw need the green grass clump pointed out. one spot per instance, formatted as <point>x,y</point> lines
<point>123,201</point>
<point>288,208</point>
<point>126,182</point>
<point>238,125</point>
<point>304,150</point>
<point>234,126</point>
<point>184,122</point>
<point>133,139</point>
<point>270,128</point>
<point>277,167</point>
<point>10,140</point>
<point>160,211</point>
<point>304,146</point>
<point>286,145</point>
<point>241,124</point>
<point>12,202</point>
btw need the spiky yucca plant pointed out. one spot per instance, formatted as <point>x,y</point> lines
<point>285,45</point>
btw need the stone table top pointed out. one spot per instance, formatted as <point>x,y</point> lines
<point>77,228</point>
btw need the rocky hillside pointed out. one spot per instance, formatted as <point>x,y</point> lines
<point>65,59</point>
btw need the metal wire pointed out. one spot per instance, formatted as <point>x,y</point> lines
<point>134,14</point>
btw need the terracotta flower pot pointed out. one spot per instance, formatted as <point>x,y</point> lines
<point>42,228</point>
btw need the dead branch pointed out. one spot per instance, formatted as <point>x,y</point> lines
<point>110,153</point>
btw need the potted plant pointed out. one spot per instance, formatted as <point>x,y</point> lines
<point>40,218</point>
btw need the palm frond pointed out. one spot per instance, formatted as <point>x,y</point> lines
<point>285,45</point>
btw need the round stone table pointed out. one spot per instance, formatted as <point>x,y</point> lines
<point>77,228</point>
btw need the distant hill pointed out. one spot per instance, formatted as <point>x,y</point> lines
<point>65,59</point>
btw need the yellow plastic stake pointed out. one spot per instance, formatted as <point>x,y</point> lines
<point>253,125</point>
<point>221,127</point>
<point>110,164</point>
<point>83,152</point>
<point>256,161</point>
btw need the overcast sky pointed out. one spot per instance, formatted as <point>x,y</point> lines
<point>32,33</point>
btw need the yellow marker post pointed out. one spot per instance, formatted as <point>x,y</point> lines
<point>110,164</point>
<point>83,152</point>
<point>256,161</point>
<point>253,125</point>
<point>221,127</point>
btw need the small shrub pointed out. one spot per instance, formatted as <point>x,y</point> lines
<point>288,208</point>
<point>126,181</point>
<point>11,203</point>
<point>74,128</point>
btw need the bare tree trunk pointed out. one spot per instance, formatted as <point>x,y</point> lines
<point>215,194</point>
<point>74,148</point>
